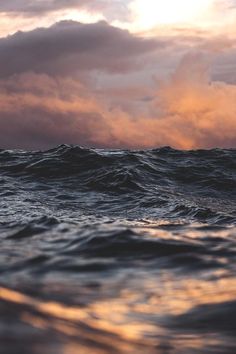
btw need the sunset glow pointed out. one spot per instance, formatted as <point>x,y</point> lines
<point>117,176</point>
<point>151,13</point>
<point>166,79</point>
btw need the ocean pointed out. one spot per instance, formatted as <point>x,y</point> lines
<point>117,251</point>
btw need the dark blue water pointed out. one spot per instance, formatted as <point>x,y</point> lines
<point>117,251</point>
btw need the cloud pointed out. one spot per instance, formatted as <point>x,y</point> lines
<point>37,111</point>
<point>187,111</point>
<point>22,14</point>
<point>198,112</point>
<point>116,9</point>
<point>38,6</point>
<point>69,47</point>
<point>98,85</point>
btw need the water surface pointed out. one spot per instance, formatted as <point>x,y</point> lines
<point>117,251</point>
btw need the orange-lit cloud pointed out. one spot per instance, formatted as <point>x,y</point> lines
<point>187,111</point>
<point>98,85</point>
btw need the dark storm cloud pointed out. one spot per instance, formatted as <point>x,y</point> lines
<point>68,47</point>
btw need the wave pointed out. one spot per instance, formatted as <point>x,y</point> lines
<point>93,247</point>
<point>208,169</point>
<point>198,185</point>
<point>123,251</point>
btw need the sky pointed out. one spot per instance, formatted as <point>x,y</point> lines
<point>118,73</point>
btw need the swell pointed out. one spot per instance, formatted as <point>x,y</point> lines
<point>213,169</point>
<point>148,235</point>
<point>50,246</point>
<point>194,184</point>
